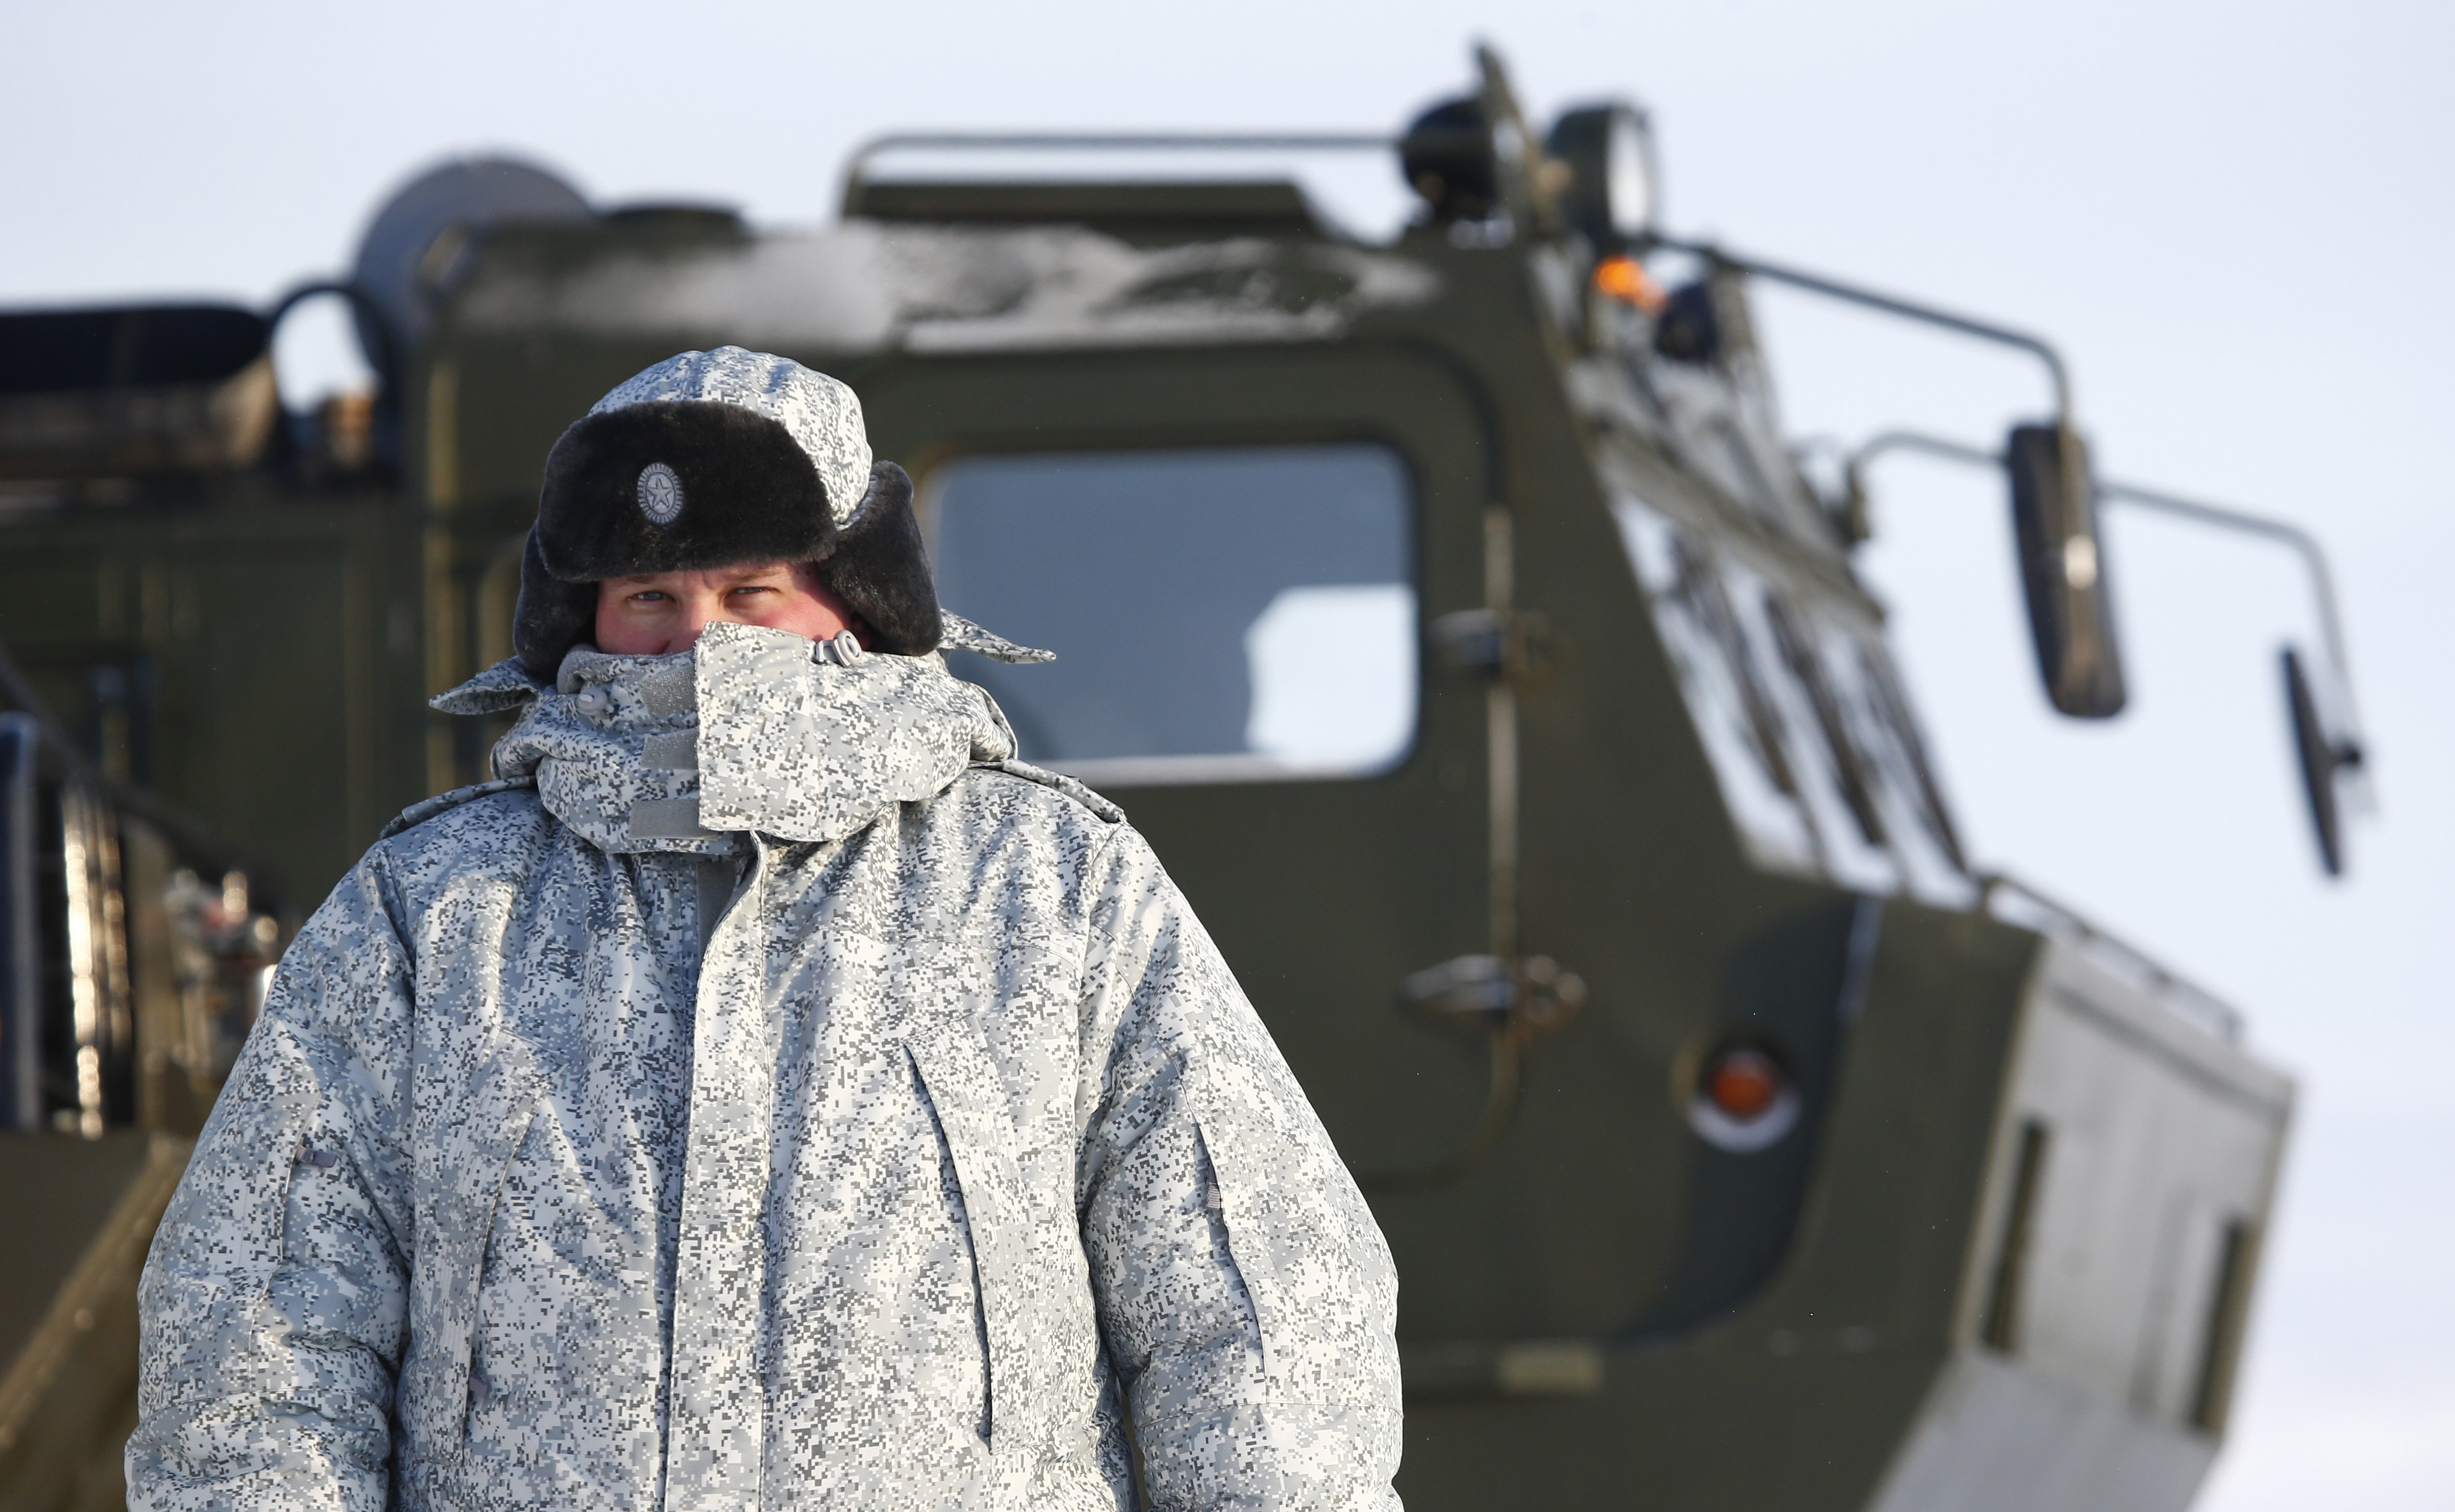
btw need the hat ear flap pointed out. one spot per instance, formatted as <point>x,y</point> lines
<point>880,572</point>
<point>553,616</point>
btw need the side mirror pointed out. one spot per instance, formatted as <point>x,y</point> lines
<point>2062,569</point>
<point>2321,758</point>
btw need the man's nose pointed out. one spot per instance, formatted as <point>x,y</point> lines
<point>697,613</point>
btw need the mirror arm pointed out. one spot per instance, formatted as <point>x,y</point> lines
<point>1918,441</point>
<point>2323,581</point>
<point>1893,305</point>
<point>1854,466</point>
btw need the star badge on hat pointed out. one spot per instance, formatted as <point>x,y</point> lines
<point>660,493</point>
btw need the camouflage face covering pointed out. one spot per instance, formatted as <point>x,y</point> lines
<point>768,1093</point>
<point>753,729</point>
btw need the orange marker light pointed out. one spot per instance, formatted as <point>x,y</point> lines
<point>1743,1084</point>
<point>1625,279</point>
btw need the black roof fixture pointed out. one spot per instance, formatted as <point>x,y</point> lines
<point>1607,191</point>
<point>1447,158</point>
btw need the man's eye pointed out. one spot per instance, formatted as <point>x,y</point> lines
<point>649,597</point>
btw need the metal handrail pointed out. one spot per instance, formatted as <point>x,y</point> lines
<point>1041,141</point>
<point>2323,581</point>
<point>1891,304</point>
<point>857,169</point>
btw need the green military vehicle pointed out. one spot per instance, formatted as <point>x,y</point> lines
<point>1452,616</point>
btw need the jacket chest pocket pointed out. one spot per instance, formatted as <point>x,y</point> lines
<point>1024,1303</point>
<point>459,1185</point>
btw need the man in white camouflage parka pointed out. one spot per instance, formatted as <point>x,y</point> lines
<point>768,1093</point>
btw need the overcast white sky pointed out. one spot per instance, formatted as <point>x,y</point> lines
<point>2235,217</point>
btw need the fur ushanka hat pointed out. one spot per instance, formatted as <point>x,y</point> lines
<point>716,457</point>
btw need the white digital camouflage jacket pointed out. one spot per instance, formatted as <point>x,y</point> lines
<point>770,1095</point>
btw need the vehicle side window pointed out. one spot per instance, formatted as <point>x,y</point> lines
<point>1806,726</point>
<point>1219,614</point>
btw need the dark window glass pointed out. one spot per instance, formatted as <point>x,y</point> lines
<point>1217,614</point>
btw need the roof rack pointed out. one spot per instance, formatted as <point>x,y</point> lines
<point>1116,142</point>
<point>1247,205</point>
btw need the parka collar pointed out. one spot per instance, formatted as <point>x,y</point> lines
<point>752,729</point>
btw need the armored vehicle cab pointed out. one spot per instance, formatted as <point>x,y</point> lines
<point>1454,619</point>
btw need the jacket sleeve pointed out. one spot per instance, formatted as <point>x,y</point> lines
<point>1246,1296</point>
<point>270,1312</point>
